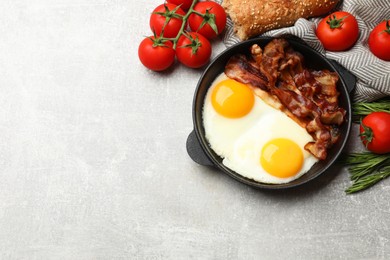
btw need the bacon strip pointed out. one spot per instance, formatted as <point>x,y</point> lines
<point>308,97</point>
<point>244,71</point>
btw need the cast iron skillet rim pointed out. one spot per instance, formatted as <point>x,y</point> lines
<point>240,178</point>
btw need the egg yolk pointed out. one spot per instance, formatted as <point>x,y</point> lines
<point>232,99</point>
<point>281,158</point>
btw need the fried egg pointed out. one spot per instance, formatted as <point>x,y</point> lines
<point>254,139</point>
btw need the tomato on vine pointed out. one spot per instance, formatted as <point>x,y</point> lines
<point>193,50</point>
<point>379,40</point>
<point>166,18</point>
<point>168,22</point>
<point>338,31</point>
<point>208,19</point>
<point>156,54</point>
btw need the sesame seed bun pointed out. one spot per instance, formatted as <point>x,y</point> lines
<point>254,17</point>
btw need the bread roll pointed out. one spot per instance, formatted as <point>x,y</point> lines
<point>254,17</point>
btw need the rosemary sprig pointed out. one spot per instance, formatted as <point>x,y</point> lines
<point>366,169</point>
<point>365,163</point>
<point>369,180</point>
<point>361,109</point>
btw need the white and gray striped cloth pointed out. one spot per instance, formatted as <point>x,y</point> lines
<point>373,74</point>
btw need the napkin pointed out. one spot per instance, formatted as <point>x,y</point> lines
<point>372,73</point>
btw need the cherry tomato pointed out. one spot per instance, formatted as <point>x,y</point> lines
<point>156,54</point>
<point>167,17</point>
<point>193,50</point>
<point>338,31</point>
<point>379,40</point>
<point>213,21</point>
<point>375,132</point>
<point>184,4</point>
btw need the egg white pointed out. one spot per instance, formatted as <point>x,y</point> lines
<point>245,157</point>
<point>239,141</point>
<point>222,132</point>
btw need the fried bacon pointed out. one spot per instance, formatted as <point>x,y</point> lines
<point>244,71</point>
<point>309,97</point>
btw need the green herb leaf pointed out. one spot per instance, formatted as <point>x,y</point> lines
<point>369,180</point>
<point>366,169</point>
<point>361,109</point>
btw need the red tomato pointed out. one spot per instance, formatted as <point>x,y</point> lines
<point>155,54</point>
<point>184,4</point>
<point>193,50</point>
<point>213,21</point>
<point>338,31</point>
<point>375,132</point>
<point>379,40</point>
<point>167,17</point>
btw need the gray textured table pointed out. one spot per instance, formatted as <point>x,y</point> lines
<point>93,162</point>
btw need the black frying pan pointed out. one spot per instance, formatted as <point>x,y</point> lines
<point>197,145</point>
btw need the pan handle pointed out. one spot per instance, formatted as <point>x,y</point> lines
<point>349,78</point>
<point>195,151</point>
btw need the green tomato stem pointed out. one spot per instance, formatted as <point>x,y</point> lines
<point>387,30</point>
<point>185,18</point>
<point>334,22</point>
<point>182,28</point>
